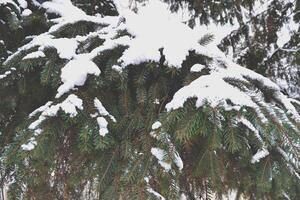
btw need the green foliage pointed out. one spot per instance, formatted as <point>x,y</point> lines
<point>73,161</point>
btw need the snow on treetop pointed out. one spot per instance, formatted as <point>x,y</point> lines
<point>155,31</point>
<point>151,30</point>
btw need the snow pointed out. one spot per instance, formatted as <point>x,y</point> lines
<point>69,106</point>
<point>40,109</point>
<point>101,109</point>
<point>26,12</point>
<point>197,68</point>
<point>102,123</point>
<point>66,47</point>
<point>69,13</point>
<point>178,161</point>
<point>210,89</point>
<point>75,73</point>
<point>213,89</point>
<point>159,154</point>
<point>156,125</point>
<point>159,196</point>
<point>286,31</point>
<point>261,153</point>
<point>149,34</point>
<point>22,3</point>
<point>250,126</point>
<point>288,161</point>
<point>153,32</point>
<point>36,54</point>
<point>5,74</point>
<point>117,68</point>
<point>150,190</point>
<point>64,8</point>
<point>29,145</point>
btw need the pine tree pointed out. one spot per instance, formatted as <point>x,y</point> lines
<point>90,110</point>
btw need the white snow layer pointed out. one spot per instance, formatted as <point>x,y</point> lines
<point>23,3</point>
<point>156,125</point>
<point>159,154</point>
<point>197,68</point>
<point>26,12</point>
<point>5,74</point>
<point>75,74</point>
<point>159,196</point>
<point>178,161</point>
<point>101,109</point>
<point>102,123</point>
<point>36,54</point>
<point>259,155</point>
<point>69,106</point>
<point>29,145</point>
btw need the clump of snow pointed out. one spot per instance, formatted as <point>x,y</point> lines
<point>156,125</point>
<point>156,101</point>
<point>23,3</point>
<point>26,12</point>
<point>211,89</point>
<point>69,13</point>
<point>66,47</point>
<point>117,68</point>
<point>69,106</point>
<point>159,154</point>
<point>178,161</point>
<point>286,31</point>
<point>102,123</point>
<point>290,159</point>
<point>5,74</point>
<point>36,54</point>
<point>75,74</point>
<point>153,32</point>
<point>250,126</point>
<point>259,155</point>
<point>101,109</point>
<point>159,196</point>
<point>41,109</point>
<point>197,68</point>
<point>29,145</point>
<point>64,8</point>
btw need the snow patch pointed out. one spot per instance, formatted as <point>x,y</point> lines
<point>75,73</point>
<point>26,12</point>
<point>197,68</point>
<point>156,125</point>
<point>69,106</point>
<point>36,54</point>
<point>102,123</point>
<point>178,161</point>
<point>159,155</point>
<point>259,155</point>
<point>5,74</point>
<point>101,109</point>
<point>29,145</point>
